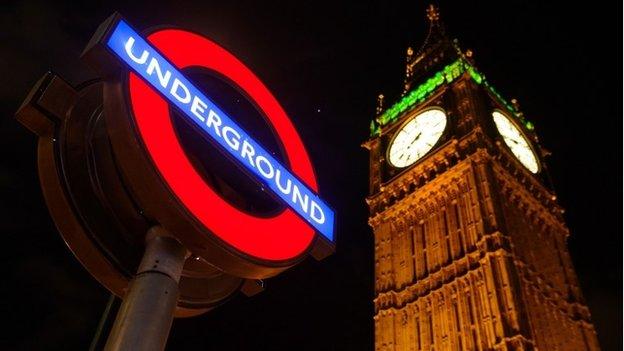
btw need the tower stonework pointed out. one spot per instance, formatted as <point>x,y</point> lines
<point>470,243</point>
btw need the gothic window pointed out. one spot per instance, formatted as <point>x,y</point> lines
<point>423,233</point>
<point>460,233</point>
<point>418,332</point>
<point>445,230</point>
<point>457,325</point>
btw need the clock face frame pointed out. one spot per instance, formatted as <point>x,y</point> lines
<point>516,141</point>
<point>416,137</point>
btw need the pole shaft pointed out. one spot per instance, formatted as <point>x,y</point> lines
<point>145,316</point>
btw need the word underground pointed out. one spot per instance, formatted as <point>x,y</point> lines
<point>164,77</point>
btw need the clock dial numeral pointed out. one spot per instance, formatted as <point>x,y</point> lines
<point>515,140</point>
<point>416,138</point>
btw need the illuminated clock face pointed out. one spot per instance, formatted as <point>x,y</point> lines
<point>516,141</point>
<point>416,138</point>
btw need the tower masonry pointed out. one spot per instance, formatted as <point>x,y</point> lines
<point>470,242</point>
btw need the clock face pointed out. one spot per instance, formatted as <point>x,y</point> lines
<point>416,138</point>
<point>516,141</point>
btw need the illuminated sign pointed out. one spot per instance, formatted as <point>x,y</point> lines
<point>158,63</point>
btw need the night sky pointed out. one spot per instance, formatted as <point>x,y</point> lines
<point>326,63</point>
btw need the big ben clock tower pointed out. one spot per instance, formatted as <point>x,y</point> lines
<point>470,243</point>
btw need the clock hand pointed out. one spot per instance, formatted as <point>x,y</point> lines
<point>416,138</point>
<point>518,142</point>
<point>512,139</point>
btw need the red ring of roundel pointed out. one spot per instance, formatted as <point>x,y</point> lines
<point>281,237</point>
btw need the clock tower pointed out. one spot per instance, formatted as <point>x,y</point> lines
<point>470,242</point>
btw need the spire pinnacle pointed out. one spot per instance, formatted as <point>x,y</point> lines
<point>433,13</point>
<point>380,103</point>
<point>435,34</point>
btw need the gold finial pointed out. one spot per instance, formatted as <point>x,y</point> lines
<point>407,84</point>
<point>380,101</point>
<point>433,13</point>
<point>408,69</point>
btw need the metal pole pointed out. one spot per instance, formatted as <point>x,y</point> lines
<point>146,313</point>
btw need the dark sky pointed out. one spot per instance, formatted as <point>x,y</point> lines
<point>561,60</point>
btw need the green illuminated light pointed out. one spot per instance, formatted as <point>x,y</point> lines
<point>500,98</point>
<point>476,76</point>
<point>374,128</point>
<point>447,75</point>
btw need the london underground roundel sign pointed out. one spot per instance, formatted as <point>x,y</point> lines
<point>146,82</point>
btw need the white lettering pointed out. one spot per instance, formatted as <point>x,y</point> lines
<point>140,60</point>
<point>266,173</point>
<point>248,151</point>
<point>198,107</point>
<point>296,194</point>
<point>316,210</point>
<point>234,143</point>
<point>174,91</point>
<point>284,190</point>
<point>163,78</point>
<point>213,118</point>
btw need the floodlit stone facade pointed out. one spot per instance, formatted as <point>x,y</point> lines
<point>470,246</point>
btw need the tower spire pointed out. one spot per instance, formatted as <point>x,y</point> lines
<point>435,35</point>
<point>436,28</point>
